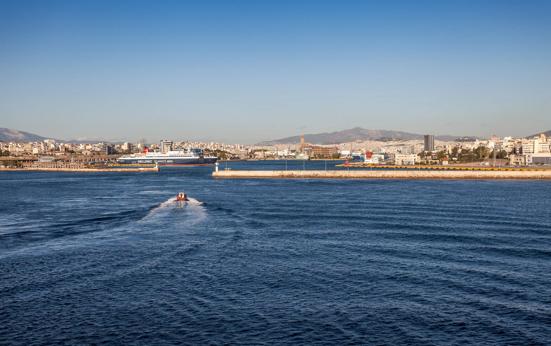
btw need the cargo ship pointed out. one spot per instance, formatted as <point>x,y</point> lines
<point>188,157</point>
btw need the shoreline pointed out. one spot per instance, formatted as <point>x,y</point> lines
<point>81,170</point>
<point>442,167</point>
<point>388,174</point>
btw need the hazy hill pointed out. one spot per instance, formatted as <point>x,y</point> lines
<point>351,135</point>
<point>9,135</point>
<point>547,133</point>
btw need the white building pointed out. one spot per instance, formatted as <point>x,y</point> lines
<point>344,153</point>
<point>375,159</point>
<point>541,145</point>
<point>405,159</point>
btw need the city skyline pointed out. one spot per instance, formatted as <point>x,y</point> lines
<point>249,72</point>
<point>334,137</point>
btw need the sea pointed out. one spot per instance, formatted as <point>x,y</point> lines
<point>111,258</point>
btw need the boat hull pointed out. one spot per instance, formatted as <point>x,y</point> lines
<point>168,161</point>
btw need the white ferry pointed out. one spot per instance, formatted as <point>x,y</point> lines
<point>170,158</point>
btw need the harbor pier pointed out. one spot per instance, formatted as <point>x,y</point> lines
<point>533,174</point>
<point>80,169</point>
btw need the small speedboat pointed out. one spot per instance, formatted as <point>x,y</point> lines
<point>182,197</point>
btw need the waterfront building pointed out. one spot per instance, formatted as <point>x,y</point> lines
<point>357,156</point>
<point>541,159</point>
<point>46,159</point>
<point>527,146</point>
<point>109,149</point>
<point>520,159</point>
<point>126,147</point>
<point>320,152</point>
<point>406,149</point>
<point>541,145</point>
<point>166,146</point>
<point>405,159</point>
<point>429,143</point>
<point>345,153</point>
<point>375,159</point>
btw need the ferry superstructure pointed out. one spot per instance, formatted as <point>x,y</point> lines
<point>170,158</point>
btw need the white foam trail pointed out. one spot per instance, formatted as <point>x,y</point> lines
<point>193,201</point>
<point>196,209</point>
<point>166,203</point>
<point>192,206</point>
<point>173,202</point>
<point>161,206</point>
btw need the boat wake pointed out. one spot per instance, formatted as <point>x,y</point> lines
<point>193,201</point>
<point>165,204</point>
<point>192,207</point>
<point>171,202</point>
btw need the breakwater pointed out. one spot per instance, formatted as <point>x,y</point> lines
<point>536,174</point>
<point>435,167</point>
<point>79,170</point>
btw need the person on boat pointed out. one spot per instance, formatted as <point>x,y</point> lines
<point>181,197</point>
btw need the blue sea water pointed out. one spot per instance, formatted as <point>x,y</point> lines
<point>104,258</point>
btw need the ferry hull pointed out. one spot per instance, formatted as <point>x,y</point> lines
<point>168,161</point>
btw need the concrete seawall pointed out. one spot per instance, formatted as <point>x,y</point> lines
<point>381,174</point>
<point>83,170</point>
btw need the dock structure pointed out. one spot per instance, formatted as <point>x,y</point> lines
<point>437,167</point>
<point>81,170</point>
<point>535,174</point>
<point>77,166</point>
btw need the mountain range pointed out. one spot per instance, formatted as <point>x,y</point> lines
<point>546,133</point>
<point>9,135</point>
<point>355,134</point>
<point>344,136</point>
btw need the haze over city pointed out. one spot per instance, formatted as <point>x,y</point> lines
<point>249,71</point>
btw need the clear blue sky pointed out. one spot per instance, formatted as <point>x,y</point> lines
<point>245,71</point>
